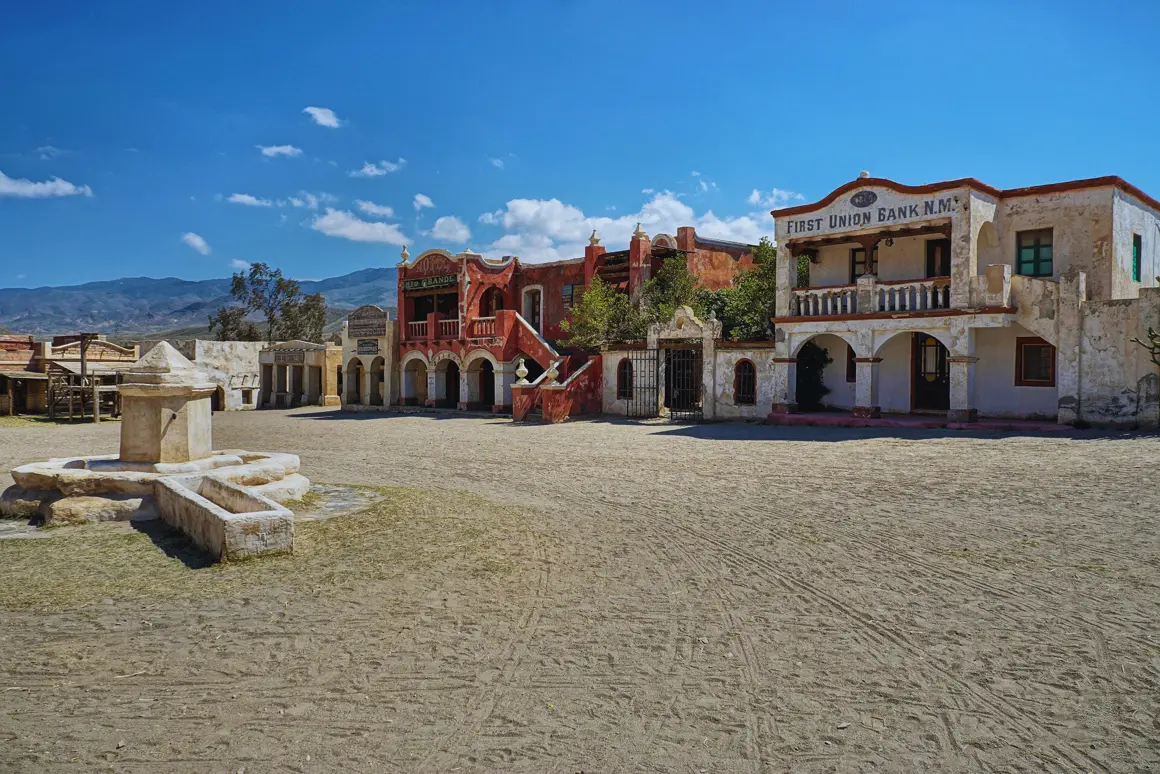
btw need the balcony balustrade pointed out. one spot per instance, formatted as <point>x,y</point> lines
<point>417,330</point>
<point>449,329</point>
<point>894,296</point>
<point>482,327</point>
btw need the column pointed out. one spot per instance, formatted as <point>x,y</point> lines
<point>503,378</point>
<point>784,384</point>
<point>963,389</point>
<point>367,377</point>
<point>866,388</point>
<point>432,376</point>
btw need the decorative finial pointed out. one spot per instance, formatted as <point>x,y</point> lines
<point>594,239</point>
<point>405,254</point>
<point>639,233</point>
<point>863,174</point>
<point>522,372</point>
<point>551,374</point>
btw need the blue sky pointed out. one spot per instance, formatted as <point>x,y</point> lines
<point>132,133</point>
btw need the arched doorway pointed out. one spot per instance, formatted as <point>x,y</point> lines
<point>378,382</point>
<point>486,385</point>
<point>354,379</point>
<point>492,302</point>
<point>451,385</point>
<point>532,298</point>
<point>931,384</point>
<point>415,383</point>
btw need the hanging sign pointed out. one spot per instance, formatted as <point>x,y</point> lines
<point>430,283</point>
<point>368,346</point>
<point>366,322</point>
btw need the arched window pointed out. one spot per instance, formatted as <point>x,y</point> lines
<point>624,379</point>
<point>745,384</point>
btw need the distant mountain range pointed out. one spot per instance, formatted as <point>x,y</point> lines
<point>140,306</point>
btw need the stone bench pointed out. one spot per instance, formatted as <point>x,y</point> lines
<point>224,519</point>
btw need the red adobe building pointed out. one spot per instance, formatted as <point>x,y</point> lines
<point>466,321</point>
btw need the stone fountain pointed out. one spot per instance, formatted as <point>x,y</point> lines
<point>228,501</point>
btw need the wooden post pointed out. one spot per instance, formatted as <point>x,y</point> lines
<point>11,396</point>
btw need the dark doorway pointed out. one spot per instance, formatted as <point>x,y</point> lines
<point>217,400</point>
<point>683,383</point>
<point>938,258</point>
<point>487,385</point>
<point>339,382</point>
<point>451,386</point>
<point>535,370</point>
<point>932,380</point>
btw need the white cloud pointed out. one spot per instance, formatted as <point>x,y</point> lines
<point>249,201</point>
<point>370,169</point>
<point>547,229</point>
<point>378,210</point>
<point>26,189</point>
<point>450,229</point>
<point>423,200</point>
<point>647,191</point>
<point>497,163</point>
<point>343,224</point>
<point>196,242</point>
<point>279,150</point>
<point>238,263</point>
<point>696,173</point>
<point>46,152</point>
<point>323,117</point>
<point>776,198</point>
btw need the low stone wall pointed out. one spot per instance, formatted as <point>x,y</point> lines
<point>224,519</point>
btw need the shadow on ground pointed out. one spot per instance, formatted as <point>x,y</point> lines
<point>174,543</point>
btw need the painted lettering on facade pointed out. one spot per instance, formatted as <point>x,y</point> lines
<point>869,216</point>
<point>290,357</point>
<point>367,321</point>
<point>368,346</point>
<point>429,283</point>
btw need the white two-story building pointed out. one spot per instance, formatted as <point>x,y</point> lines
<point>964,300</point>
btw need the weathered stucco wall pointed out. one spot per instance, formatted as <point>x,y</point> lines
<point>996,394</point>
<point>723,389</point>
<point>1132,217</point>
<point>841,394</point>
<point>611,404</point>
<point>232,365</point>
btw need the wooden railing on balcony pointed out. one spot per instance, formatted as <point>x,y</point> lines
<point>417,330</point>
<point>449,329</point>
<point>481,327</point>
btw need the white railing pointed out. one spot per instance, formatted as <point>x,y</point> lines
<point>482,327</point>
<point>913,296</point>
<point>449,329</point>
<point>816,302</point>
<point>417,330</point>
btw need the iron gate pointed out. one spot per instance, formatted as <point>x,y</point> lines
<point>641,384</point>
<point>668,378</point>
<point>683,383</point>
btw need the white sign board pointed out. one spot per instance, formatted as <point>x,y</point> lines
<point>869,208</point>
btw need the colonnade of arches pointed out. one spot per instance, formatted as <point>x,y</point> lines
<point>477,381</point>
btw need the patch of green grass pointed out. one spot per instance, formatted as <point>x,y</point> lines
<point>410,530</point>
<point>307,502</point>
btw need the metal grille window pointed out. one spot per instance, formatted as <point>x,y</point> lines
<point>1034,362</point>
<point>1033,254</point>
<point>624,380</point>
<point>1137,253</point>
<point>745,384</point>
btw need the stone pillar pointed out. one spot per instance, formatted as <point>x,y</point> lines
<point>165,409</point>
<point>962,407</point>
<point>867,294</point>
<point>639,258</point>
<point>432,376</point>
<point>786,280</point>
<point>1069,353</point>
<point>964,256</point>
<point>784,384</point>
<point>866,388</point>
<point>504,377</point>
<point>368,382</point>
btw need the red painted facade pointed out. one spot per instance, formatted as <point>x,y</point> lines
<point>461,304</point>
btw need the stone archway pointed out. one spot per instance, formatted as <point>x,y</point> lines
<point>354,381</point>
<point>414,387</point>
<point>378,382</point>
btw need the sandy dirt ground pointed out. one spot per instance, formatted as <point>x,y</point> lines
<point>719,598</point>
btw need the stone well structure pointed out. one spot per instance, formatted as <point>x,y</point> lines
<point>166,458</point>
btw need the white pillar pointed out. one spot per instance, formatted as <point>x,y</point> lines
<point>866,387</point>
<point>962,405</point>
<point>784,385</point>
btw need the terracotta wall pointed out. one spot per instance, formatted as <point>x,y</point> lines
<point>553,278</point>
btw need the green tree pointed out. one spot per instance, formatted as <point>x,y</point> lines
<point>601,315</point>
<point>289,314</point>
<point>231,325</point>
<point>1153,343</point>
<point>672,287</point>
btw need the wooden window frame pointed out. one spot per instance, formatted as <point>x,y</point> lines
<point>1137,256</point>
<point>928,247</point>
<point>851,366</point>
<point>568,296</point>
<point>737,383</point>
<point>1037,262</point>
<point>871,265</point>
<point>1032,341</point>
<point>624,386</point>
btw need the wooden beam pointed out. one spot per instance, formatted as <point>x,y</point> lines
<point>797,247</point>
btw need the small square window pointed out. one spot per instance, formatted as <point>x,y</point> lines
<point>1137,256</point>
<point>859,265</point>
<point>1033,256</point>
<point>1034,362</point>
